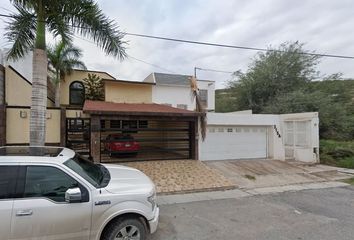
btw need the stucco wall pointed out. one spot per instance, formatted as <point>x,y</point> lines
<point>173,94</point>
<point>18,91</point>
<point>127,92</point>
<point>168,94</point>
<point>76,75</point>
<point>17,127</point>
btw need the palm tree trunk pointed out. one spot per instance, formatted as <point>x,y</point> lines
<point>39,98</point>
<point>39,83</point>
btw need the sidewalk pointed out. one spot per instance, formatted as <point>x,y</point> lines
<point>238,193</point>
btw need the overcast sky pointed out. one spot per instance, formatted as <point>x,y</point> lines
<point>326,26</point>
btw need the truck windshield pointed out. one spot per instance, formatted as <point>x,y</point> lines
<point>96,174</point>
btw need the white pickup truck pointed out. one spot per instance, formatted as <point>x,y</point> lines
<point>53,193</point>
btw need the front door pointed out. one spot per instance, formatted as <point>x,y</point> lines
<point>42,213</point>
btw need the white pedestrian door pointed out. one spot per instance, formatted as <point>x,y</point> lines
<point>226,142</point>
<point>42,212</point>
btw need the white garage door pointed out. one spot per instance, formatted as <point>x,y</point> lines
<point>224,142</point>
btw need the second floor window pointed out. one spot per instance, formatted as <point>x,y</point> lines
<point>203,94</point>
<point>76,93</point>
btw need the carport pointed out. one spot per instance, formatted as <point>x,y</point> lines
<point>160,131</point>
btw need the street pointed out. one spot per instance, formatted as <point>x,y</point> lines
<point>310,214</point>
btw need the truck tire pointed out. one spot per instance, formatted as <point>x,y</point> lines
<point>125,228</point>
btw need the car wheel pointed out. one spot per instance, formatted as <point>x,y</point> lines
<point>125,229</point>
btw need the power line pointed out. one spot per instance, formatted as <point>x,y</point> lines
<point>132,57</point>
<point>233,46</point>
<point>151,64</point>
<point>217,44</point>
<point>212,70</point>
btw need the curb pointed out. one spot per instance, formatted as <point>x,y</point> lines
<point>238,193</point>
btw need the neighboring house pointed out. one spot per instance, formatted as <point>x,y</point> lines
<point>158,114</point>
<point>243,135</point>
<point>175,90</point>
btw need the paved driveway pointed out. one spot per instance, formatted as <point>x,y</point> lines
<point>251,174</point>
<point>326,214</point>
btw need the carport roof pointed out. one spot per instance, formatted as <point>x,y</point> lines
<point>151,109</point>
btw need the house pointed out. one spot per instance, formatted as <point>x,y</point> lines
<point>175,90</point>
<point>158,113</point>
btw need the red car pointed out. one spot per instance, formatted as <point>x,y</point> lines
<point>121,144</point>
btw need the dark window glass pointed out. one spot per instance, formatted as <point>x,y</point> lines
<point>8,175</point>
<point>95,174</point>
<point>115,123</point>
<point>143,124</point>
<point>103,124</point>
<point>203,97</point>
<point>77,93</point>
<point>48,182</point>
<point>130,124</point>
<point>121,137</point>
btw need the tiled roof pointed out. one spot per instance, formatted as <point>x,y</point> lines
<point>101,107</point>
<point>172,79</point>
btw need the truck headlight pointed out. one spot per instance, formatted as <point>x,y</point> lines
<point>152,199</point>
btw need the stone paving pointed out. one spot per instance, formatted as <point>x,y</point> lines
<point>182,176</point>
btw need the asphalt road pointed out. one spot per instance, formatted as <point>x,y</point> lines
<point>310,214</point>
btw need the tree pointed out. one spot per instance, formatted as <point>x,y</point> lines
<point>273,73</point>
<point>27,31</point>
<point>335,122</point>
<point>93,88</point>
<point>63,57</point>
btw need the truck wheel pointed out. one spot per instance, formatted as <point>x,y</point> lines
<point>125,229</point>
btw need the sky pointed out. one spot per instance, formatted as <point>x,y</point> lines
<point>325,26</point>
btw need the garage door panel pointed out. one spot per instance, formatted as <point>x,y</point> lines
<point>249,143</point>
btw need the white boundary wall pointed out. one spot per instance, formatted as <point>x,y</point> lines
<point>275,132</point>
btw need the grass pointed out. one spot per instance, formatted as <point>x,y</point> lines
<point>337,153</point>
<point>349,181</point>
<point>250,177</point>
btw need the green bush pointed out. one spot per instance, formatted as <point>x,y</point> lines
<point>337,153</point>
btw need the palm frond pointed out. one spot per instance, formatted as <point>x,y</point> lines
<point>26,4</point>
<point>91,22</point>
<point>21,32</point>
<point>57,25</point>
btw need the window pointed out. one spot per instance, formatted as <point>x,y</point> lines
<point>229,130</point>
<point>143,124</point>
<point>203,94</point>
<point>48,182</point>
<point>211,130</point>
<point>238,130</point>
<point>220,130</point>
<point>182,106</point>
<point>246,130</point>
<point>130,124</point>
<point>8,175</point>
<point>115,123</point>
<point>76,93</point>
<point>103,124</point>
<point>95,174</point>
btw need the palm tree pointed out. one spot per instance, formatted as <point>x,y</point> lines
<point>27,30</point>
<point>199,106</point>
<point>63,57</point>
